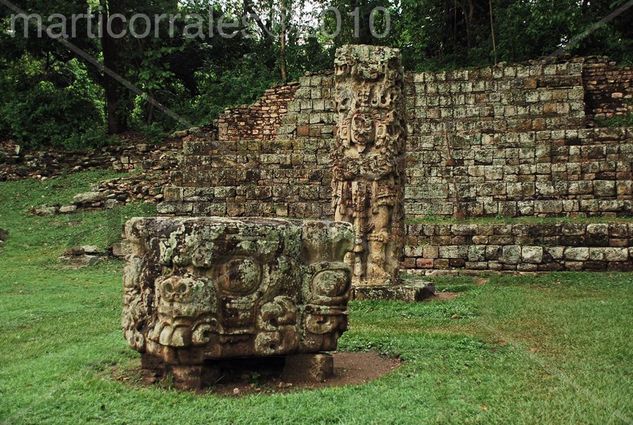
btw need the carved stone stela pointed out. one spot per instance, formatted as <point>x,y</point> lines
<point>204,289</point>
<point>368,159</point>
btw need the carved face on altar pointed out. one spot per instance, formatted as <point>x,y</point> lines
<point>233,287</point>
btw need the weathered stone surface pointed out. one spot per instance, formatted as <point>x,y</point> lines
<point>308,367</point>
<point>211,288</point>
<point>532,254</point>
<point>608,88</point>
<point>597,234</point>
<point>453,251</point>
<point>45,210</point>
<point>477,253</point>
<point>577,254</point>
<point>83,256</point>
<point>549,247</point>
<point>67,209</point>
<point>89,198</point>
<point>116,250</point>
<point>616,254</point>
<point>110,203</point>
<point>259,121</point>
<point>402,292</point>
<point>511,254</point>
<point>368,158</point>
<point>187,377</point>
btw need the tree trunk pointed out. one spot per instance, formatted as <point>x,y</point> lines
<point>115,94</point>
<point>492,31</point>
<point>282,42</point>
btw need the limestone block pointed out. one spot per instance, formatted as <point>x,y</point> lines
<point>89,198</point>
<point>66,209</point>
<point>619,230</point>
<point>597,254</point>
<point>616,254</point>
<point>532,254</point>
<point>577,253</point>
<point>477,253</point>
<point>431,251</point>
<point>413,251</point>
<point>604,188</point>
<point>511,254</point>
<point>597,234</point>
<point>454,251</point>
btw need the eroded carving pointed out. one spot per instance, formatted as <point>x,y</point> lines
<point>209,288</point>
<point>368,158</point>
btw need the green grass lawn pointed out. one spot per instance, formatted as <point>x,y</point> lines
<point>552,349</point>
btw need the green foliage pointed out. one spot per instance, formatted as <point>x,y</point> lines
<point>615,121</point>
<point>58,107</point>
<point>435,34</point>
<point>243,84</point>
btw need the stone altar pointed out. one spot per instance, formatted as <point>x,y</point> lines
<point>368,159</point>
<point>199,290</point>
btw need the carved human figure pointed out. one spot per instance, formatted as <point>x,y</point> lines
<point>368,158</point>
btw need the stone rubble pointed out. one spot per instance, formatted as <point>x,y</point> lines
<point>83,256</point>
<point>17,163</point>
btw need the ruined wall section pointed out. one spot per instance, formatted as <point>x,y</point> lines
<point>510,140</point>
<point>260,120</point>
<point>503,98</point>
<point>507,140</point>
<point>288,175</point>
<point>609,88</point>
<point>537,173</point>
<point>17,163</point>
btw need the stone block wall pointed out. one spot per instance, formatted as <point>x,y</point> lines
<point>505,140</point>
<point>542,173</point>
<point>284,176</point>
<point>260,120</point>
<point>520,247</point>
<point>311,111</point>
<point>608,87</point>
<point>503,98</point>
<point>509,140</point>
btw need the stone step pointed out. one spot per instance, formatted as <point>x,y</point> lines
<point>216,148</point>
<point>543,246</point>
<point>594,157</point>
<point>583,137</point>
